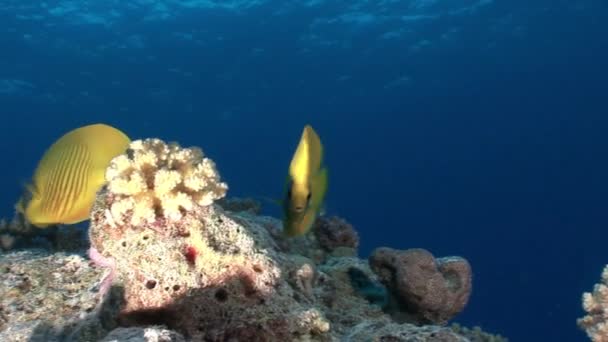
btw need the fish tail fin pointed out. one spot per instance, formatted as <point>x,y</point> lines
<point>19,206</point>
<point>29,193</point>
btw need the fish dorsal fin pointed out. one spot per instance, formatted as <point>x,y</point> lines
<point>307,158</point>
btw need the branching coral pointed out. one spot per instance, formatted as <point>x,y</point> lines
<point>595,303</point>
<point>157,179</point>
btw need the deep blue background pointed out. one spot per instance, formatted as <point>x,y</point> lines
<point>492,148</point>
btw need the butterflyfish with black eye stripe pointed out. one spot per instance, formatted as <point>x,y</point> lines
<point>307,185</point>
<point>69,175</point>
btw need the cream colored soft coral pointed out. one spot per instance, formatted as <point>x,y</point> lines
<point>155,179</point>
<point>596,305</point>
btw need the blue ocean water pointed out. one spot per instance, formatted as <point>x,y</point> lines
<point>467,127</point>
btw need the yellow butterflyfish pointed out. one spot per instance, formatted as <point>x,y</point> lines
<point>307,185</point>
<point>69,175</point>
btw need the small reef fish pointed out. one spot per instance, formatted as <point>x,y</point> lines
<point>306,185</point>
<point>69,175</point>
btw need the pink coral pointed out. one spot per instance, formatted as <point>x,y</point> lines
<point>101,261</point>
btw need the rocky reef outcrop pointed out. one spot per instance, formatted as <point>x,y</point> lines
<point>176,262</point>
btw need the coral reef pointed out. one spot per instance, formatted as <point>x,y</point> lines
<point>430,290</point>
<point>174,265</point>
<point>595,303</point>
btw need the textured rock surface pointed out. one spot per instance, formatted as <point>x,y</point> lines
<point>475,334</point>
<point>390,331</point>
<point>241,284</point>
<point>214,276</point>
<point>429,289</point>
<point>147,334</point>
<point>334,232</point>
<point>47,297</point>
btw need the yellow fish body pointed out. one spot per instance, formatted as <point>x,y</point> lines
<point>69,175</point>
<point>307,185</point>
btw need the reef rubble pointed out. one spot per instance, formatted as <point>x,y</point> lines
<point>170,259</point>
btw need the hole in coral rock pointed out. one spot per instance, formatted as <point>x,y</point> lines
<point>221,295</point>
<point>150,284</point>
<point>219,220</point>
<point>145,237</point>
<point>176,287</point>
<point>257,268</point>
<point>167,288</point>
<point>124,243</point>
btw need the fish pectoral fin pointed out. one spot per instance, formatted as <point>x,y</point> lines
<point>302,226</point>
<point>319,185</point>
<point>272,200</point>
